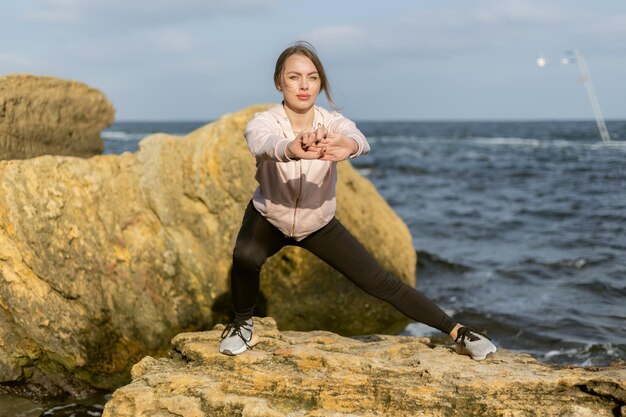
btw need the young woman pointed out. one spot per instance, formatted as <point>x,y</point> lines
<point>297,146</point>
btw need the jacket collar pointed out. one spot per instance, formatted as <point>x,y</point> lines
<point>278,112</point>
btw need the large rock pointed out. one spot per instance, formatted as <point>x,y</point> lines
<point>104,260</point>
<point>50,116</point>
<point>323,374</point>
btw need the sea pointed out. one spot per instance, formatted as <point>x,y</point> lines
<point>519,229</point>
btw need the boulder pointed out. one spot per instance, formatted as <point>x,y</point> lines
<point>104,260</point>
<point>319,373</point>
<point>51,116</point>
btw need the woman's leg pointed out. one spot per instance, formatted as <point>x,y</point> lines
<point>257,240</point>
<point>335,245</point>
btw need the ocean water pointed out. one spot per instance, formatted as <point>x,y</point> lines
<point>519,228</point>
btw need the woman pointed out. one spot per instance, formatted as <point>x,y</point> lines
<point>297,146</point>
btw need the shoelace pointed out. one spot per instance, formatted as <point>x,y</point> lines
<point>470,334</point>
<point>234,328</point>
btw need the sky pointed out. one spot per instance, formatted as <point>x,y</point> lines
<point>386,60</point>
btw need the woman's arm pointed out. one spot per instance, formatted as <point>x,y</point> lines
<point>343,141</point>
<point>264,141</point>
<point>346,127</point>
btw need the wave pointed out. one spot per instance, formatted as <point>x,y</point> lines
<point>571,263</point>
<point>524,334</point>
<point>618,144</point>
<point>510,141</point>
<point>545,143</point>
<point>429,261</point>
<point>366,172</point>
<point>598,354</point>
<point>605,289</point>
<point>578,263</point>
<point>119,135</point>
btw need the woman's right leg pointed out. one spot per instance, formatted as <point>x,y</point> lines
<point>257,240</point>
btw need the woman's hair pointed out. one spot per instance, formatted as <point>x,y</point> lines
<point>308,50</point>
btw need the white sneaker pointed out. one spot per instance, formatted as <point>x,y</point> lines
<point>237,337</point>
<point>474,344</point>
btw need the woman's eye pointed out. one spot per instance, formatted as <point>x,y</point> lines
<point>293,77</point>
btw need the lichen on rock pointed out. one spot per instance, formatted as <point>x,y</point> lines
<point>319,373</point>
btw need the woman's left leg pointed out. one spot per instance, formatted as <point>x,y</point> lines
<point>335,245</point>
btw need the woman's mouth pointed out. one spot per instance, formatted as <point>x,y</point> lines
<point>304,96</point>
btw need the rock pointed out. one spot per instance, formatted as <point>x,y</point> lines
<point>320,373</point>
<point>50,116</point>
<point>104,260</point>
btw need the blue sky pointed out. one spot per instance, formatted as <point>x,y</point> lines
<point>387,60</point>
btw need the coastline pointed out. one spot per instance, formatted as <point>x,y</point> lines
<point>573,267</point>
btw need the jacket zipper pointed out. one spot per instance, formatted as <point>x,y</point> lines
<point>295,210</point>
<point>299,195</point>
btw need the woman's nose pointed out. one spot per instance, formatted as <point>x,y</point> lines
<point>304,85</point>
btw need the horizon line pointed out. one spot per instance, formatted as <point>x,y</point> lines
<point>358,120</point>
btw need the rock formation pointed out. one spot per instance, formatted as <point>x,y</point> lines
<point>104,260</point>
<point>323,374</point>
<point>50,116</point>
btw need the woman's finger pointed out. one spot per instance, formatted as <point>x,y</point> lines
<point>320,134</point>
<point>308,139</point>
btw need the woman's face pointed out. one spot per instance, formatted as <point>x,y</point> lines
<point>300,83</point>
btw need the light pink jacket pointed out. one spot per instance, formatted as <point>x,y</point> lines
<point>296,196</point>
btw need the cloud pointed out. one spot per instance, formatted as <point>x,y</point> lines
<point>481,28</point>
<point>203,47</point>
<point>345,40</point>
<point>16,63</point>
<point>61,17</point>
<point>139,12</point>
<point>55,12</point>
<point>507,11</point>
<point>169,40</point>
<point>609,30</point>
<point>345,35</point>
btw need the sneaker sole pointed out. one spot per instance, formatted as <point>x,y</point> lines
<point>253,341</point>
<point>482,358</point>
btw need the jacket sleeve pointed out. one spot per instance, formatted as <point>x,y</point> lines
<point>264,141</point>
<point>346,127</point>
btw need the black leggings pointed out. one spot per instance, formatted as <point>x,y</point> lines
<point>258,239</point>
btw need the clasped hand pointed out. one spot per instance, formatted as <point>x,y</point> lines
<point>321,144</point>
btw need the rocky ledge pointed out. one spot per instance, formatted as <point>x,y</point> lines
<point>320,373</point>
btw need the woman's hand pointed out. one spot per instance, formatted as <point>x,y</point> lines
<point>306,145</point>
<point>323,145</point>
<point>337,147</point>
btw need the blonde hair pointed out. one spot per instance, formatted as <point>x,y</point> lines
<point>308,50</point>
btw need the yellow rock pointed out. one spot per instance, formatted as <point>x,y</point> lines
<point>323,374</point>
<point>50,116</point>
<point>104,260</point>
